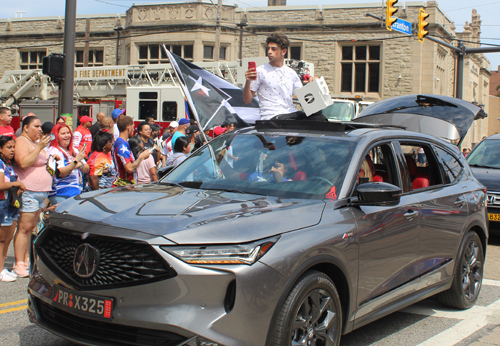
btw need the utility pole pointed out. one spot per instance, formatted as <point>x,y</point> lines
<point>87,44</point>
<point>217,31</point>
<point>66,87</point>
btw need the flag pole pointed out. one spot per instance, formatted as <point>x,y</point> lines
<point>184,92</point>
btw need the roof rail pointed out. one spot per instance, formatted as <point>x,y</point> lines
<point>342,126</point>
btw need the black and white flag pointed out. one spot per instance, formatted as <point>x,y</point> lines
<point>214,100</point>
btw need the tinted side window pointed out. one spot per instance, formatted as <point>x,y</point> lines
<point>422,166</point>
<point>449,164</point>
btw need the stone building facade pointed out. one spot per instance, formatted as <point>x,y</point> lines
<point>355,53</point>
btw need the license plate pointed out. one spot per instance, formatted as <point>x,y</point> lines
<point>494,217</point>
<point>83,303</point>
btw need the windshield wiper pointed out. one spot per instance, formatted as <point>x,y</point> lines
<point>483,166</point>
<point>236,191</point>
<point>169,183</point>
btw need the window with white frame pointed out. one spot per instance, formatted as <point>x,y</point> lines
<point>96,57</point>
<point>360,68</point>
<point>154,53</point>
<point>209,52</point>
<point>31,60</point>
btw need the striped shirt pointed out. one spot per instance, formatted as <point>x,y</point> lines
<point>71,185</point>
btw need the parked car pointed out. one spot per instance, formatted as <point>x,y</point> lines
<point>485,163</point>
<point>284,233</point>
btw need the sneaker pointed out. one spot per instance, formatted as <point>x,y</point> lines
<point>20,270</point>
<point>6,272</point>
<point>6,278</point>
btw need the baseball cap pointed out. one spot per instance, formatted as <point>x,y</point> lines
<point>173,124</point>
<point>116,113</point>
<point>219,131</point>
<point>183,121</point>
<point>192,129</point>
<point>84,119</point>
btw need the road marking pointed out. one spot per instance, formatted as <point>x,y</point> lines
<point>489,282</point>
<point>13,309</point>
<point>24,301</point>
<point>478,318</point>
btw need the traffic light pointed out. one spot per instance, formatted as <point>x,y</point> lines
<point>389,13</point>
<point>53,66</point>
<point>422,25</point>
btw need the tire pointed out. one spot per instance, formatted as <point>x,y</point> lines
<point>468,275</point>
<point>311,314</point>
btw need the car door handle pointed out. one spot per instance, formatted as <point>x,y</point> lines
<point>410,214</point>
<point>459,203</point>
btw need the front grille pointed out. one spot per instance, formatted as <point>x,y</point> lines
<point>122,262</point>
<point>493,199</point>
<point>77,327</point>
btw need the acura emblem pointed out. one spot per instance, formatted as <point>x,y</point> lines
<point>86,261</point>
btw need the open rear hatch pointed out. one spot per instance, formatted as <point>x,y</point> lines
<point>441,116</point>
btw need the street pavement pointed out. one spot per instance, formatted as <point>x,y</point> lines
<point>424,324</point>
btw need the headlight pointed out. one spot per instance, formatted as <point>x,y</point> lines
<point>222,254</point>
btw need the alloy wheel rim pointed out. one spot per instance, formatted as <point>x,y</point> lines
<point>316,321</point>
<point>472,270</point>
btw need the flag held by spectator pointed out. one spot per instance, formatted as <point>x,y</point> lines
<point>214,100</point>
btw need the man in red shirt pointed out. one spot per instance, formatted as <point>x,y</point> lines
<point>82,135</point>
<point>5,120</point>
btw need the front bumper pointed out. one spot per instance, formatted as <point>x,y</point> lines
<point>190,308</point>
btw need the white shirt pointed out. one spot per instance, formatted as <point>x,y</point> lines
<point>275,87</point>
<point>116,133</point>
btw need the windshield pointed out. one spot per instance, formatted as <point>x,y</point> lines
<point>486,154</point>
<point>340,111</point>
<point>273,165</point>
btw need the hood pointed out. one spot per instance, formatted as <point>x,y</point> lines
<point>489,177</point>
<point>437,115</point>
<point>186,216</point>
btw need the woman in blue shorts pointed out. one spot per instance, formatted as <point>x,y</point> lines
<point>8,214</point>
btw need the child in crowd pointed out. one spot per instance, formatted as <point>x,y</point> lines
<point>8,213</point>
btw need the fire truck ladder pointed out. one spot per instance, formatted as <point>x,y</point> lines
<point>22,83</point>
<point>99,82</point>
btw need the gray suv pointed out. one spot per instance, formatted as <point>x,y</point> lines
<point>289,233</point>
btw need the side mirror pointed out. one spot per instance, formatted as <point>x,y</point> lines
<point>164,171</point>
<point>378,193</point>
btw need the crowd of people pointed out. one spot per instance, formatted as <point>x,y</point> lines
<point>47,162</point>
<point>44,164</point>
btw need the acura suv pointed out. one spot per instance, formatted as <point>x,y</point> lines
<point>286,233</point>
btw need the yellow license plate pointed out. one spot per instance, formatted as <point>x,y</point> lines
<point>494,217</point>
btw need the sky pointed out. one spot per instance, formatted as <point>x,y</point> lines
<point>458,11</point>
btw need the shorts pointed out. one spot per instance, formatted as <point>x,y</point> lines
<point>8,214</point>
<point>33,201</point>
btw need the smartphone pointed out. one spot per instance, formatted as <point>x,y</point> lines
<point>52,136</point>
<point>84,146</point>
<point>252,64</point>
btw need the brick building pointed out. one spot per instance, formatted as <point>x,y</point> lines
<point>355,53</point>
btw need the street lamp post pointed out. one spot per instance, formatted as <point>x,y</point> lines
<point>243,23</point>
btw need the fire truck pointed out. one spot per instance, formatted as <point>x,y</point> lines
<point>143,90</point>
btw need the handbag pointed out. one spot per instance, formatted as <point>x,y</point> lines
<point>15,199</point>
